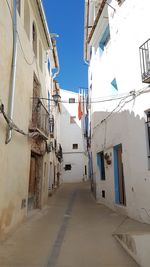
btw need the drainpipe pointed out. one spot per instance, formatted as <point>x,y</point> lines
<point>56,62</point>
<point>13,72</point>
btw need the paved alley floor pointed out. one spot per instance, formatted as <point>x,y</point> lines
<point>73,231</point>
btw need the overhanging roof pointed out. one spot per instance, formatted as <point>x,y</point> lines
<point>44,21</point>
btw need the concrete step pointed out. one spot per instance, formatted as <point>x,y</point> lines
<point>137,245</point>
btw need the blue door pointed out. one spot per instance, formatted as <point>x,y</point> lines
<point>120,196</point>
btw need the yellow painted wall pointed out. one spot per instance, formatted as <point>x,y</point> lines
<point>15,156</point>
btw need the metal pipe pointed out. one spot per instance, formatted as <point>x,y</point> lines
<point>13,72</point>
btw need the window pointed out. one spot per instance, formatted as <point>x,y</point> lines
<point>67,167</point>
<point>27,18</point>
<point>40,56</point>
<point>145,61</point>
<point>75,146</point>
<point>120,2</point>
<point>103,193</point>
<point>101,165</point>
<point>51,125</point>
<point>104,39</point>
<point>49,103</point>
<point>18,5</point>
<point>34,39</point>
<point>44,169</point>
<point>71,100</point>
<point>48,65</point>
<point>114,85</point>
<point>85,170</point>
<point>148,130</point>
<point>72,119</point>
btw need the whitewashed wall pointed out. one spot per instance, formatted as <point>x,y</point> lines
<point>71,134</point>
<point>121,60</point>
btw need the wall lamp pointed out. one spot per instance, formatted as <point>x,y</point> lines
<point>56,98</point>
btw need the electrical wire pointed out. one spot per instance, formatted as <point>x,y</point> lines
<point>99,100</point>
<point>133,95</point>
<point>30,63</point>
<point>115,108</point>
<point>76,102</point>
<point>10,123</point>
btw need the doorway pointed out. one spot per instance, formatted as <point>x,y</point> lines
<point>35,182</point>
<point>120,195</point>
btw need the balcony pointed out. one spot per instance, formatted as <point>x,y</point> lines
<point>40,123</point>
<point>145,61</point>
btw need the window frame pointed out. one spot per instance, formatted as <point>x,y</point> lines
<point>67,167</point>
<point>40,56</point>
<point>27,18</point>
<point>71,100</point>
<point>72,119</point>
<point>75,146</point>
<point>18,6</point>
<point>34,38</point>
<point>147,123</point>
<point>105,38</point>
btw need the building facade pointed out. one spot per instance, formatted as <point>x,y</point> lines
<point>74,158</point>
<point>28,57</point>
<point>117,52</point>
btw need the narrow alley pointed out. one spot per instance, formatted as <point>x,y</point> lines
<point>71,231</point>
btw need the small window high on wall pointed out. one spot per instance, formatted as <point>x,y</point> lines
<point>104,39</point>
<point>71,100</point>
<point>34,38</point>
<point>148,130</point>
<point>75,146</point>
<point>114,86</point>
<point>72,119</point>
<point>18,5</point>
<point>40,56</point>
<point>27,18</point>
<point>67,167</point>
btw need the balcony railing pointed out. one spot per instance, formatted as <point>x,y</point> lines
<point>145,61</point>
<point>40,119</point>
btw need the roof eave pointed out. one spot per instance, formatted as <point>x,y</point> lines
<point>44,21</point>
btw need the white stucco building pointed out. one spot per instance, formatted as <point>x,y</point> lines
<point>71,138</point>
<point>119,109</point>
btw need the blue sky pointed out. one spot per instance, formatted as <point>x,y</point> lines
<point>66,18</point>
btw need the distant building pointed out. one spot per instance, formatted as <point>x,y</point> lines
<point>117,49</point>
<point>71,138</point>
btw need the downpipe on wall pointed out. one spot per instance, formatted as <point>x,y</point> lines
<point>13,72</point>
